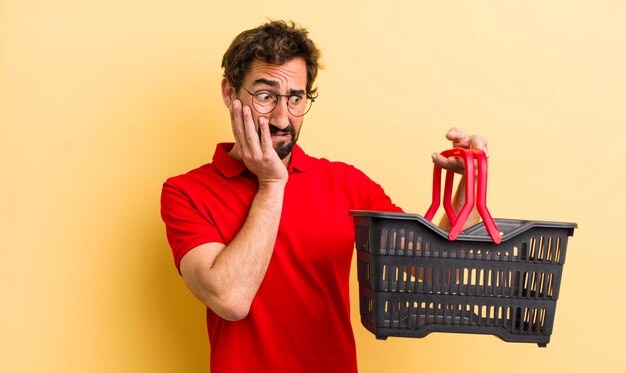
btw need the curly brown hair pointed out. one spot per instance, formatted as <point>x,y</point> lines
<point>275,42</point>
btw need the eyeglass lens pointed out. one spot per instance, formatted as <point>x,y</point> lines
<point>265,101</point>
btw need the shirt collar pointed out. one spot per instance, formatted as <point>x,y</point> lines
<point>230,167</point>
<point>225,164</point>
<point>300,161</point>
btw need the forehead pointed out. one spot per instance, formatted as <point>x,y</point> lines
<point>291,74</point>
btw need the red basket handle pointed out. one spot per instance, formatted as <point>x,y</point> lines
<point>481,199</point>
<point>471,197</point>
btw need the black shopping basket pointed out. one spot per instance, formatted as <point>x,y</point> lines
<point>499,277</point>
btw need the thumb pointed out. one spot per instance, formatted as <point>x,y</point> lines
<point>455,135</point>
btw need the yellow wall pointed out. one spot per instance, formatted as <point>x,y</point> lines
<point>100,101</point>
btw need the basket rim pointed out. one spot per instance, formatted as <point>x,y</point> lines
<point>471,233</point>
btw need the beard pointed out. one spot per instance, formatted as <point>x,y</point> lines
<point>283,148</point>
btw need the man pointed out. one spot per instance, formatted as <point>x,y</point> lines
<point>262,235</point>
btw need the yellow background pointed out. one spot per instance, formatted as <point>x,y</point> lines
<point>101,101</point>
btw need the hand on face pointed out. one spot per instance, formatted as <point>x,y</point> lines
<point>256,152</point>
<point>460,140</point>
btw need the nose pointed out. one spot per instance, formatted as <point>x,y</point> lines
<point>279,117</point>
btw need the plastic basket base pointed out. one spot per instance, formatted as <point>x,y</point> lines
<point>384,333</point>
<point>417,315</point>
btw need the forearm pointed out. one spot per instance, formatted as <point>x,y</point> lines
<point>229,283</point>
<point>458,200</point>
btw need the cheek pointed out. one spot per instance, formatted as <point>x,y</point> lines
<point>297,125</point>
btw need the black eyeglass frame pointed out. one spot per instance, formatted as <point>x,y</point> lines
<point>278,96</point>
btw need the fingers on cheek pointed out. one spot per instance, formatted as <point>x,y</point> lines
<point>236,120</point>
<point>246,113</point>
<point>266,138</point>
<point>235,109</point>
<point>263,127</point>
<point>248,123</point>
<point>237,131</point>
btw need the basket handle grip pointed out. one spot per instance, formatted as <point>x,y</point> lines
<point>471,196</point>
<point>481,198</point>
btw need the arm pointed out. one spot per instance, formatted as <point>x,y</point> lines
<point>227,278</point>
<point>460,140</point>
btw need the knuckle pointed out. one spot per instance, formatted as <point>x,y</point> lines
<point>250,136</point>
<point>258,157</point>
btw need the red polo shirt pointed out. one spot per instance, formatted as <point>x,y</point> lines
<point>299,320</point>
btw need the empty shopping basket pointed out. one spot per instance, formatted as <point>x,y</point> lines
<point>415,278</point>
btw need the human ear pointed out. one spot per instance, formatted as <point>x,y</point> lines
<point>228,93</point>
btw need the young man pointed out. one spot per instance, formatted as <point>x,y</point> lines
<point>262,235</point>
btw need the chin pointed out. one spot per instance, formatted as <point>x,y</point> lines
<point>283,150</point>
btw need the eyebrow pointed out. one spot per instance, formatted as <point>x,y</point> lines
<point>273,83</point>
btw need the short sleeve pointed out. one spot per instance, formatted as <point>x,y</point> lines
<point>185,225</point>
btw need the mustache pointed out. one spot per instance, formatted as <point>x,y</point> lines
<point>275,130</point>
<point>289,129</point>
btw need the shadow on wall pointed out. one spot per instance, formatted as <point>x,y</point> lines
<point>178,320</point>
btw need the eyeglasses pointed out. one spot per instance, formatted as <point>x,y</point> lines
<point>265,102</point>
